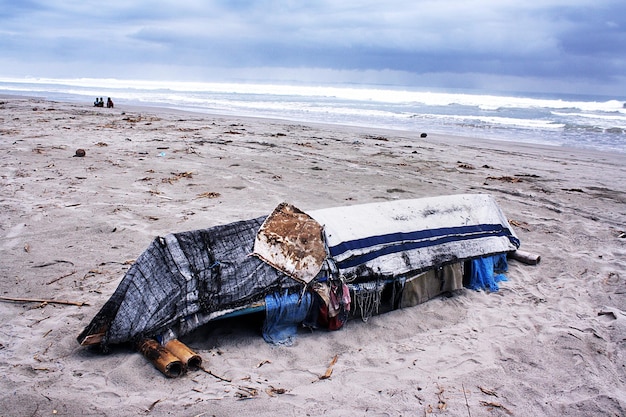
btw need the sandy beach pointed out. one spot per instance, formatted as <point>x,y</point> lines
<point>551,341</point>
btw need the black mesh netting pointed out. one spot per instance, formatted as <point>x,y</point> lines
<point>182,274</point>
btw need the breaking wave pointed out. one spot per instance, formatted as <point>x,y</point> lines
<point>576,121</point>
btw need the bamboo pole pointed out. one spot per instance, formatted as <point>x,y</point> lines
<point>161,358</point>
<point>526,257</point>
<point>188,357</point>
<point>43,300</point>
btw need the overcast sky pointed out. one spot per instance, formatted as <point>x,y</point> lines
<point>576,46</point>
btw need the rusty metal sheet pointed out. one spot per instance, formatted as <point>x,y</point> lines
<point>292,242</point>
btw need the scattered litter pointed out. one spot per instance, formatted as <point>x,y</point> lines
<point>263,362</point>
<point>271,391</point>
<point>441,401</point>
<point>80,153</point>
<point>465,166</point>
<point>245,393</point>
<point>610,314</point>
<point>612,277</point>
<point>496,405</point>
<point>208,371</point>
<point>56,261</point>
<point>60,278</point>
<point>506,179</point>
<point>380,138</point>
<point>152,405</point>
<point>488,391</point>
<point>177,176</point>
<point>522,225</point>
<point>329,370</point>
<point>208,194</point>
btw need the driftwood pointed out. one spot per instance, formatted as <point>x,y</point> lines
<point>526,257</point>
<point>60,278</point>
<point>208,371</point>
<point>43,300</point>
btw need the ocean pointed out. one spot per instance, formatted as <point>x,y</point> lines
<point>551,119</point>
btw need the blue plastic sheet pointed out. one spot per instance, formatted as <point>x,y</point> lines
<point>485,272</point>
<point>500,263</point>
<point>283,314</point>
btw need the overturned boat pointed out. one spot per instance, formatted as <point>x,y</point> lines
<point>317,268</point>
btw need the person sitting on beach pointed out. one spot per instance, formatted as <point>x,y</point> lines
<point>109,103</point>
<point>96,103</point>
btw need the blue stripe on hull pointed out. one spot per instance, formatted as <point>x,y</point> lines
<point>401,242</point>
<point>427,234</point>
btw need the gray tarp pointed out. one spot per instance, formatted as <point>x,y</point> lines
<point>183,274</point>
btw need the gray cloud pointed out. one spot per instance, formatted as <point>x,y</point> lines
<point>581,41</point>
